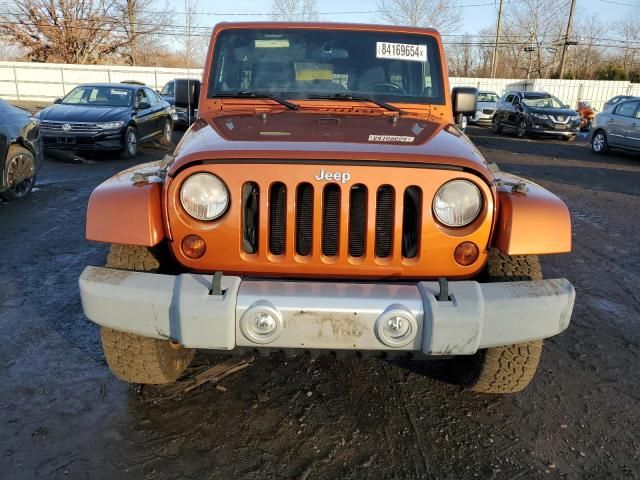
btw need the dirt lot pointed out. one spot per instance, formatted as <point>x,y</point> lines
<point>62,414</point>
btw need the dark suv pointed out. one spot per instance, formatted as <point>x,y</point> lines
<point>537,113</point>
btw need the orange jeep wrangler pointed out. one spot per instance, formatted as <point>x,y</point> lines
<point>325,200</point>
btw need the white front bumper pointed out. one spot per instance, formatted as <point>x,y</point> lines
<point>325,315</point>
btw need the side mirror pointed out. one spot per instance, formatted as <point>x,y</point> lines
<point>186,92</point>
<point>464,101</point>
<point>143,106</point>
<point>57,100</point>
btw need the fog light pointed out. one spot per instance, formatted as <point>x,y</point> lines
<point>466,253</point>
<point>396,327</point>
<point>193,246</point>
<point>261,322</point>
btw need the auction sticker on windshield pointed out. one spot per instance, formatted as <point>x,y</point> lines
<point>401,51</point>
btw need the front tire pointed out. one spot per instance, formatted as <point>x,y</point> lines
<point>599,143</point>
<point>130,143</point>
<point>134,358</point>
<point>19,173</point>
<point>521,130</point>
<point>495,125</point>
<point>510,368</point>
<point>167,132</point>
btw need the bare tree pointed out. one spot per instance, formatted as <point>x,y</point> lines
<point>71,31</point>
<point>192,38</point>
<point>444,15</point>
<point>294,10</point>
<point>140,22</point>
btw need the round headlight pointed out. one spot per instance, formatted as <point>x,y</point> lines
<point>204,196</point>
<point>457,203</point>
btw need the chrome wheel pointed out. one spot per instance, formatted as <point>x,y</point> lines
<point>598,142</point>
<point>132,143</point>
<point>522,129</point>
<point>21,174</point>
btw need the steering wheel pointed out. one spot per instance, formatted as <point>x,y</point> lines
<point>385,87</point>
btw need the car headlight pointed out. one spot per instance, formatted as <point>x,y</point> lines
<point>204,196</point>
<point>457,203</point>
<point>541,116</point>
<point>110,125</point>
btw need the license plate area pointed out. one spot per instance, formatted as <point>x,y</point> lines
<point>66,140</point>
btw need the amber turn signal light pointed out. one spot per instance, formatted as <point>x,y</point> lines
<point>466,253</point>
<point>193,246</point>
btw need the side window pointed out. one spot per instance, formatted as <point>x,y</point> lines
<point>168,89</point>
<point>516,100</point>
<point>509,99</point>
<point>152,97</point>
<point>141,97</point>
<point>627,109</point>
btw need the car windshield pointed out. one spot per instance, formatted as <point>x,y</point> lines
<point>301,63</point>
<point>99,96</point>
<point>167,90</point>
<point>487,97</point>
<point>543,102</point>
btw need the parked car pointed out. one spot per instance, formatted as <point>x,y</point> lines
<point>612,102</point>
<point>486,107</point>
<point>106,117</point>
<point>536,113</point>
<point>304,211</point>
<point>178,92</point>
<point>20,151</point>
<point>617,128</point>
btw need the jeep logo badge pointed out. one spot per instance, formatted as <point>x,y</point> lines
<point>342,177</point>
<point>66,127</point>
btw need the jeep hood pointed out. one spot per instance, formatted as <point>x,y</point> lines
<point>298,135</point>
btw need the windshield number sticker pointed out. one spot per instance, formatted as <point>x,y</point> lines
<point>401,51</point>
<point>391,138</point>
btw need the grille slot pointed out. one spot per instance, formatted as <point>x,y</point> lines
<point>331,220</point>
<point>277,218</point>
<point>411,215</point>
<point>304,219</point>
<point>250,216</point>
<point>357,220</point>
<point>384,221</point>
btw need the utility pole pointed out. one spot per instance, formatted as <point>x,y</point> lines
<point>566,39</point>
<point>494,59</point>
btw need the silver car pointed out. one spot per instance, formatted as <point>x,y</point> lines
<point>487,102</point>
<point>617,128</point>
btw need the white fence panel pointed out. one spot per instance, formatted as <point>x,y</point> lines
<point>47,81</point>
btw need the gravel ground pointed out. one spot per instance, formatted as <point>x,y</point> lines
<point>63,415</point>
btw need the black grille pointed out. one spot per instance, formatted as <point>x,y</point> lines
<point>411,214</point>
<point>488,111</point>
<point>304,219</point>
<point>251,214</point>
<point>277,218</point>
<point>353,216</point>
<point>357,220</point>
<point>384,221</point>
<point>331,220</point>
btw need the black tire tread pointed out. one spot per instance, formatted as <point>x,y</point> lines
<point>506,369</point>
<point>134,358</point>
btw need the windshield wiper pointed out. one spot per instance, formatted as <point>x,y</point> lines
<point>250,94</point>
<point>357,98</point>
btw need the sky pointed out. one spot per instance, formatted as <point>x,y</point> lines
<point>477,14</point>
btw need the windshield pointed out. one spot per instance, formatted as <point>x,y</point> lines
<point>299,63</point>
<point>487,97</point>
<point>99,96</point>
<point>167,90</point>
<point>543,102</point>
